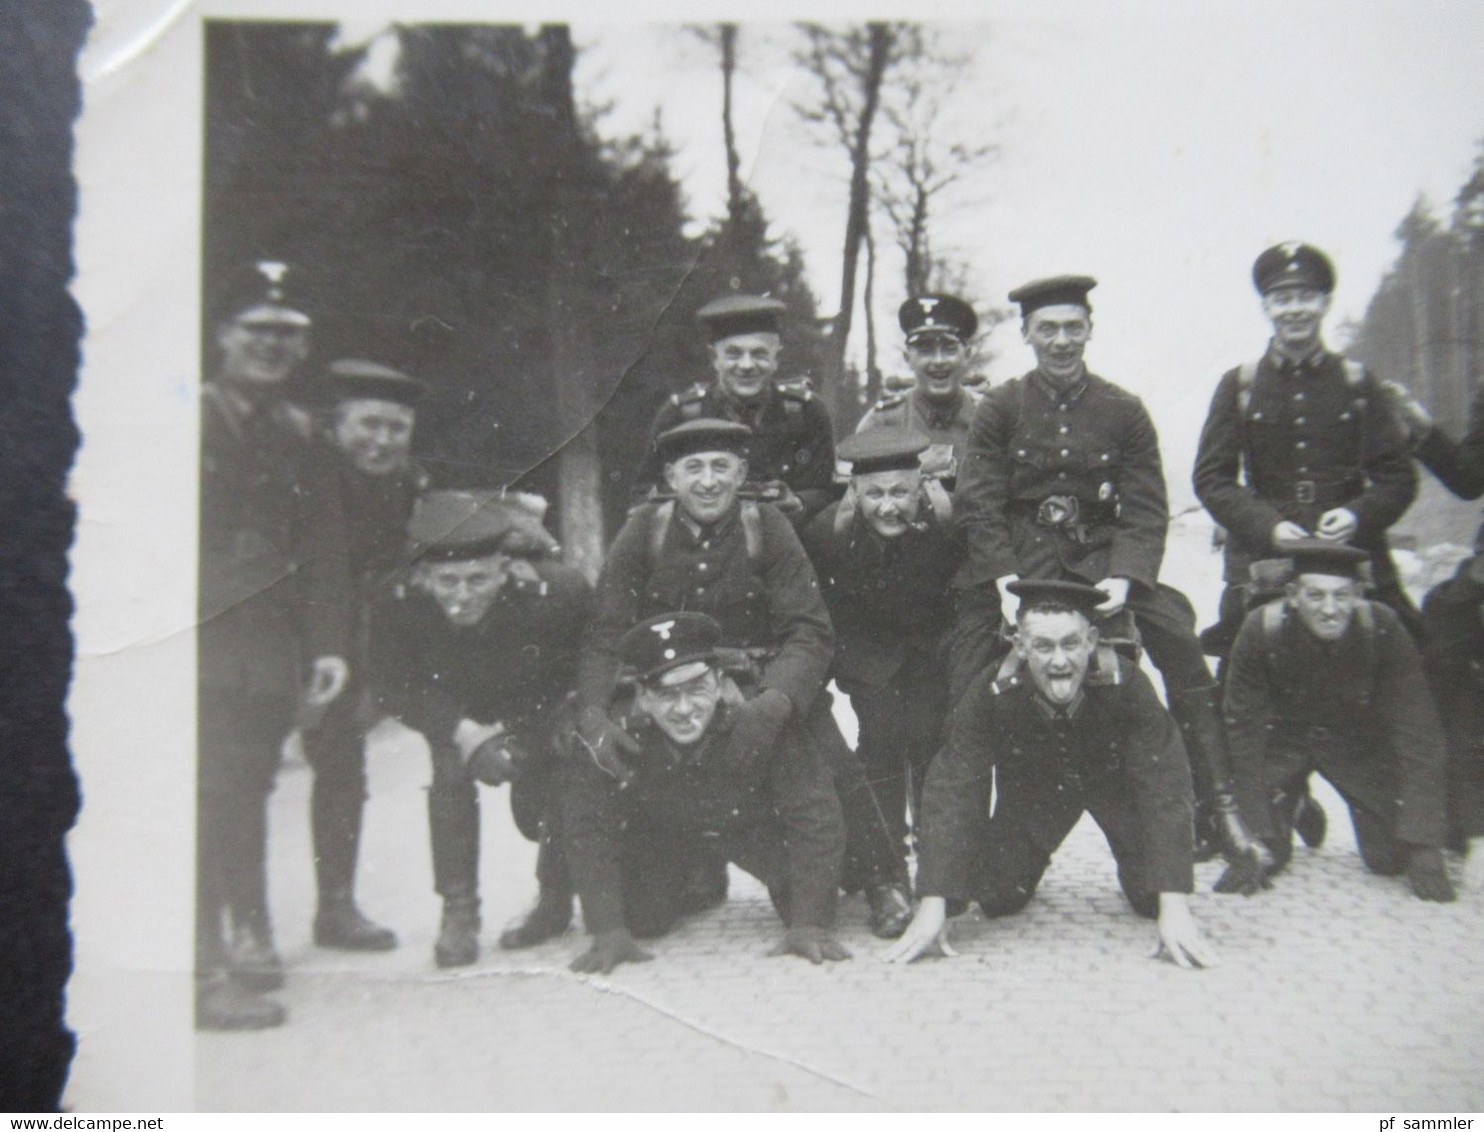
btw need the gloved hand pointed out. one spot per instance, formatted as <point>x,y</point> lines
<point>1429,877</point>
<point>813,944</point>
<point>608,950</point>
<point>755,725</point>
<point>605,742</point>
<point>495,761</point>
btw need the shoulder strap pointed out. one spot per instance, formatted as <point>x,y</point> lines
<point>845,512</point>
<point>659,526</point>
<point>752,530</point>
<point>1274,614</point>
<point>1246,379</point>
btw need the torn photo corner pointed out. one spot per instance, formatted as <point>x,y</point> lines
<point>495,224</point>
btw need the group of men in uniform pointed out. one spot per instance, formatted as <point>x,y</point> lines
<point>980,577</point>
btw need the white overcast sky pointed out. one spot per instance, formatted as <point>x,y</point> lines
<point>1157,146</point>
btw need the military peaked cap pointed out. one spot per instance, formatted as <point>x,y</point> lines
<point>1053,292</point>
<point>455,526</point>
<point>1034,594</point>
<point>704,434</point>
<point>265,292</point>
<point>1293,264</point>
<point>741,314</point>
<point>937,314</point>
<point>1315,556</point>
<point>351,379</point>
<point>670,644</point>
<point>882,450</point>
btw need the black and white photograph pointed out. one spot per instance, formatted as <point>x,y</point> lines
<point>788,558</point>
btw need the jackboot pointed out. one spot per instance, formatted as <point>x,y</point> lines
<point>339,924</point>
<point>224,1004</point>
<point>1218,820</point>
<point>251,957</point>
<point>548,919</point>
<point>458,936</point>
<point>891,910</point>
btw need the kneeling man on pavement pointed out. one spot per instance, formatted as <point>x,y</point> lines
<point>696,779</point>
<point>1326,680</point>
<point>1064,728</point>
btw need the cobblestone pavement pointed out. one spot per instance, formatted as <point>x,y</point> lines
<point>1338,991</point>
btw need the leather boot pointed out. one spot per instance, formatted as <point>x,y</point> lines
<point>251,957</point>
<point>458,936</point>
<point>1309,819</point>
<point>705,884</point>
<point>1218,823</point>
<point>224,1004</point>
<point>547,920</point>
<point>891,910</point>
<point>339,924</point>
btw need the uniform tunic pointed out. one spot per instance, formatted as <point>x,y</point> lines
<point>1114,752</point>
<point>515,667</point>
<point>1357,710</point>
<point>946,423</point>
<point>794,439</point>
<point>1308,440</point>
<point>1093,444</point>
<point>771,601</point>
<point>629,848</point>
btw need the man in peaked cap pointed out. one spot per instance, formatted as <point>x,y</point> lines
<point>692,785</point>
<point>1300,442</point>
<point>254,446</point>
<point>885,557</point>
<point>358,499</point>
<point>793,453</point>
<point>939,350</point>
<point>740,561</point>
<point>1326,680</point>
<point>1063,481</point>
<point>478,651</point>
<point>1063,727</point>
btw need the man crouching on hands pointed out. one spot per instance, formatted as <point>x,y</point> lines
<point>695,784</point>
<point>1065,727</point>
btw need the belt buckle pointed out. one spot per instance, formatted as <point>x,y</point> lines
<point>1305,491</point>
<point>1057,511</point>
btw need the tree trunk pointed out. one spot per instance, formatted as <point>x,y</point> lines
<point>728,36</point>
<point>873,368</point>
<point>855,220</point>
<point>579,476</point>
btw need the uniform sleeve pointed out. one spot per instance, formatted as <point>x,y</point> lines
<point>815,485</point>
<point>1251,713</point>
<point>1414,734</point>
<point>404,676</point>
<point>983,490</point>
<point>955,799</point>
<point>615,607</point>
<point>1218,463</point>
<point>1391,477</point>
<point>1138,545</point>
<point>808,806</point>
<point>798,619</point>
<point>565,612</point>
<point>590,831</point>
<point>1459,464</point>
<point>329,576</point>
<point>1163,799</point>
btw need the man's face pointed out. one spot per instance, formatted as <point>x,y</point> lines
<point>745,363</point>
<point>1056,648</point>
<point>1058,335</point>
<point>1296,314</point>
<point>683,710</point>
<point>376,436</point>
<point>1325,603</point>
<point>465,590</point>
<point>261,351</point>
<point>939,362</point>
<point>706,483</point>
<point>889,501</point>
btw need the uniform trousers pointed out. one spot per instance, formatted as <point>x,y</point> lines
<point>1454,659</point>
